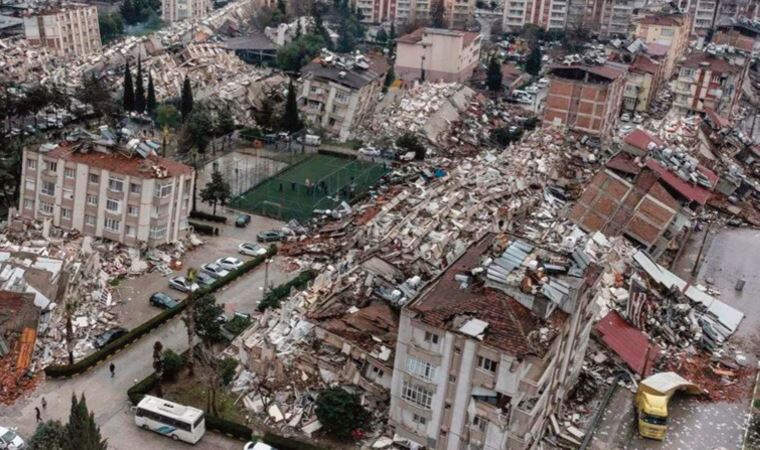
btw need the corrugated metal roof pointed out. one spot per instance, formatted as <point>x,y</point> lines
<point>630,344</point>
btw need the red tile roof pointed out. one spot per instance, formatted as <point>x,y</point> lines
<point>643,63</point>
<point>118,163</point>
<point>628,342</point>
<point>656,49</point>
<point>689,191</point>
<point>623,162</point>
<point>641,139</point>
<point>416,35</point>
<point>713,63</point>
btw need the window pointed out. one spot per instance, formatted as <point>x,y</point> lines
<point>480,422</point>
<point>134,188</point>
<point>431,337</point>
<point>417,395</point>
<point>68,172</point>
<point>112,224</point>
<point>452,379</point>
<point>68,193</point>
<point>66,213</point>
<point>487,364</point>
<point>51,166</point>
<point>48,188</point>
<point>30,184</point>
<point>92,199</point>
<point>420,368</point>
<point>28,203</point>
<point>94,178</point>
<point>163,191</point>
<point>157,232</point>
<point>31,164</point>
<point>418,419</point>
<point>115,185</point>
<point>129,230</point>
<point>89,220</point>
<point>132,210</point>
<point>46,208</point>
<point>112,205</point>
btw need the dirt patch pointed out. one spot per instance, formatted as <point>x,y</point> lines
<point>720,383</point>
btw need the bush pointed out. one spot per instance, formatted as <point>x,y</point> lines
<point>173,363</point>
<point>273,298</point>
<point>226,368</point>
<point>202,228</point>
<point>224,426</point>
<point>237,325</point>
<point>200,215</point>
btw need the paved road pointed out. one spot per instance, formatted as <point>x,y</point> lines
<point>106,396</point>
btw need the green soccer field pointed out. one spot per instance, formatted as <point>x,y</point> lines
<point>318,182</point>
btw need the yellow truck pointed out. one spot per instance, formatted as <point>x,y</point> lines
<point>652,400</point>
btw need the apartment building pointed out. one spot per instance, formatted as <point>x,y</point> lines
<point>376,11</point>
<point>337,92</point>
<point>547,14</point>
<point>710,79</point>
<point>641,83</point>
<point>702,12</point>
<point>669,30</point>
<point>71,29</point>
<point>585,98</point>
<point>174,10</point>
<point>443,55</point>
<point>743,35</point>
<point>459,14</point>
<point>125,195</point>
<point>488,352</point>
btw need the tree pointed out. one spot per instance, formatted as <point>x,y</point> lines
<point>49,435</point>
<point>94,92</point>
<point>173,364</point>
<point>292,56</point>
<point>390,77</point>
<point>206,318</point>
<point>437,14</point>
<point>290,121</point>
<point>281,7</point>
<point>225,123</point>
<point>129,90</point>
<point>150,102</point>
<point>111,27</point>
<point>319,26</point>
<point>346,42</point>
<point>37,98</point>
<point>167,116</point>
<point>186,106</point>
<point>82,433</point>
<point>139,89</point>
<point>264,117</point>
<point>533,64</point>
<point>226,368</point>
<point>382,36</point>
<point>493,74</point>
<point>217,191</point>
<point>341,412</point>
<point>158,365</point>
<point>411,143</point>
<point>197,131</point>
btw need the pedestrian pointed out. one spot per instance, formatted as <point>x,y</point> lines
<point>39,414</point>
<point>112,368</point>
<point>44,403</point>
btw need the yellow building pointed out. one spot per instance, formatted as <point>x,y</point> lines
<point>670,30</point>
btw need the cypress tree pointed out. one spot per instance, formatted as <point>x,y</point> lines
<point>290,120</point>
<point>129,90</point>
<point>186,107</point>
<point>82,433</point>
<point>139,89</point>
<point>493,74</point>
<point>151,101</point>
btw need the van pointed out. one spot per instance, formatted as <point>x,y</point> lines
<point>311,140</point>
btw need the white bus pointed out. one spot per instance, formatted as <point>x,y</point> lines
<point>179,422</point>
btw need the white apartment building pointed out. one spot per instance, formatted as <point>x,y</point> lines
<point>547,14</point>
<point>489,351</point>
<point>174,10</point>
<point>71,29</point>
<point>106,192</point>
<point>444,55</point>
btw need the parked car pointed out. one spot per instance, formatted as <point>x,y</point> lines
<point>215,270</point>
<point>310,139</point>
<point>204,279</point>
<point>108,336</point>
<point>229,263</point>
<point>369,151</point>
<point>9,440</point>
<point>242,220</point>
<point>638,119</point>
<point>258,446</point>
<point>163,300</point>
<point>625,117</point>
<point>182,284</point>
<point>252,249</point>
<point>269,236</point>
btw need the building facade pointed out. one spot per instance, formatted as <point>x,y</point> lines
<point>71,29</point>
<point>547,14</point>
<point>443,55</point>
<point>174,10</point>
<point>105,193</point>
<point>337,98</point>
<point>670,30</point>
<point>641,83</point>
<point>377,11</point>
<point>473,368</point>
<point>585,98</point>
<point>710,80</point>
<point>458,14</point>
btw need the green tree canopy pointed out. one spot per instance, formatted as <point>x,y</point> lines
<point>129,90</point>
<point>197,131</point>
<point>49,435</point>
<point>290,120</point>
<point>217,191</point>
<point>294,55</point>
<point>341,412</point>
<point>494,75</point>
<point>94,92</point>
<point>139,88</point>
<point>225,123</point>
<point>206,316</point>
<point>82,433</point>
<point>186,104</point>
<point>150,102</point>
<point>437,14</point>
<point>168,116</point>
<point>111,26</point>
<point>533,64</point>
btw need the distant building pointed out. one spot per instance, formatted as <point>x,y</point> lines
<point>585,98</point>
<point>612,18</point>
<point>336,98</point>
<point>547,14</point>
<point>71,29</point>
<point>742,35</point>
<point>457,13</point>
<point>174,10</point>
<point>483,361</point>
<point>377,11</point>
<point>669,30</point>
<point>107,191</point>
<point>443,55</point>
<point>708,13</point>
<point>641,83</point>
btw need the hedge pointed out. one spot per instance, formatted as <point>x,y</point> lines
<point>273,298</point>
<point>202,228</point>
<point>283,443</point>
<point>139,390</point>
<point>229,428</point>
<point>200,215</point>
<point>146,327</point>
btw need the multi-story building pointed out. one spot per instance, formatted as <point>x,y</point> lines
<point>671,30</point>
<point>743,35</point>
<point>376,11</point>
<point>641,83</point>
<point>125,195</point>
<point>710,80</point>
<point>585,98</point>
<point>488,352</point>
<point>174,10</point>
<point>702,12</point>
<point>615,17</point>
<point>458,14</point>
<point>412,11</point>
<point>708,13</point>
<point>547,14</point>
<point>443,55</point>
<point>71,29</point>
<point>338,92</point>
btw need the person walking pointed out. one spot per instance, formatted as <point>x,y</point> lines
<point>44,403</point>
<point>112,368</point>
<point>39,414</point>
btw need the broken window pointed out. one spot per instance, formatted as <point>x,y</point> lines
<point>31,164</point>
<point>487,364</point>
<point>46,208</point>
<point>28,203</point>
<point>94,178</point>
<point>48,188</point>
<point>52,166</point>
<point>129,230</point>
<point>163,191</point>
<point>135,188</point>
<point>431,338</point>
<point>157,232</point>
<point>132,210</point>
<point>480,423</point>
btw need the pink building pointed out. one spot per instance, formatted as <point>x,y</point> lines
<point>445,55</point>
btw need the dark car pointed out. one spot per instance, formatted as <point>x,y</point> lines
<point>109,336</point>
<point>163,301</point>
<point>204,279</point>
<point>269,236</point>
<point>242,220</point>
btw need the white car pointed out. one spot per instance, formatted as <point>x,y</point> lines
<point>625,117</point>
<point>229,263</point>
<point>258,446</point>
<point>215,270</point>
<point>9,440</point>
<point>182,284</point>
<point>369,151</point>
<point>252,249</point>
